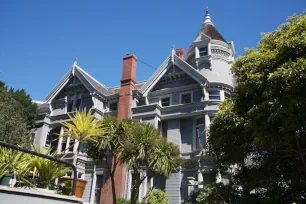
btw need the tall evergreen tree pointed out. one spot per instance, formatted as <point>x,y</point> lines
<point>17,115</point>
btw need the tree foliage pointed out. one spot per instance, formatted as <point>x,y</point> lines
<point>17,115</point>
<point>262,128</point>
<point>145,147</point>
<point>107,147</point>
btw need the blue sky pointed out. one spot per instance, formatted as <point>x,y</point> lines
<point>40,39</point>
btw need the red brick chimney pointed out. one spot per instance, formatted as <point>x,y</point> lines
<point>128,81</point>
<point>181,53</point>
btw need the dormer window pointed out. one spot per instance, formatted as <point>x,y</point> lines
<point>113,106</point>
<point>203,51</point>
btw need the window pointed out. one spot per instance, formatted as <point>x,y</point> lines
<point>70,105</point>
<point>165,102</point>
<point>64,142</point>
<point>83,148</point>
<point>71,145</point>
<point>75,102</point>
<point>214,95</point>
<point>200,133</point>
<point>113,107</point>
<point>78,102</point>
<point>98,187</point>
<point>186,98</point>
<point>203,51</point>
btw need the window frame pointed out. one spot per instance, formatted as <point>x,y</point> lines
<point>198,135</point>
<point>203,51</point>
<point>209,90</point>
<point>165,96</point>
<point>183,93</point>
<point>74,97</point>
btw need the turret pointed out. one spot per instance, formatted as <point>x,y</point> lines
<point>211,55</point>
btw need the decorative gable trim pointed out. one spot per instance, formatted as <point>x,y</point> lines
<point>91,84</point>
<point>171,60</point>
<point>59,86</point>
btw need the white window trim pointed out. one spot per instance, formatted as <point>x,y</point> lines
<point>214,89</point>
<point>165,96</point>
<point>186,92</point>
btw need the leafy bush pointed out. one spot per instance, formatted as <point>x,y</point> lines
<point>124,201</point>
<point>15,162</point>
<point>157,197</point>
<point>209,195</point>
<point>65,188</point>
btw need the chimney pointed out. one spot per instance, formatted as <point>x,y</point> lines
<point>128,81</point>
<point>181,53</point>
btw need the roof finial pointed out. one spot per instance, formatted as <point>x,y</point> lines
<point>75,62</point>
<point>207,18</point>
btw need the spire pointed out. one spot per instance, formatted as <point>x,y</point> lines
<point>75,62</point>
<point>207,19</point>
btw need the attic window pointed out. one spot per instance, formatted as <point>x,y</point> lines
<point>203,51</point>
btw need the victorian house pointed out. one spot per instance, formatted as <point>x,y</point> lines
<point>180,99</point>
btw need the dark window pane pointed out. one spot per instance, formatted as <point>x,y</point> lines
<point>113,107</point>
<point>186,98</point>
<point>64,142</point>
<point>203,51</point>
<point>165,101</point>
<point>71,144</point>
<point>78,104</point>
<point>214,97</point>
<point>214,92</point>
<point>70,105</point>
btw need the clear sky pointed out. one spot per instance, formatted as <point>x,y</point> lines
<point>39,39</point>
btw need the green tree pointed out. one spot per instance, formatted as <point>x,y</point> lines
<point>108,146</point>
<point>262,128</point>
<point>28,109</point>
<point>13,126</point>
<point>144,146</point>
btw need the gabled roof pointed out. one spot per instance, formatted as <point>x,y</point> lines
<point>87,80</point>
<point>171,60</point>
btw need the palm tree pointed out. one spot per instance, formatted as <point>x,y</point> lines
<point>144,146</point>
<point>107,147</point>
<point>83,128</point>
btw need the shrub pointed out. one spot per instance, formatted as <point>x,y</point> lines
<point>157,197</point>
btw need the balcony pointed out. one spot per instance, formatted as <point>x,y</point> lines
<point>175,111</point>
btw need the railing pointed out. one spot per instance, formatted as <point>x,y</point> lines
<point>15,147</point>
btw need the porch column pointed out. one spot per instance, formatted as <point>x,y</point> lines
<point>60,140</point>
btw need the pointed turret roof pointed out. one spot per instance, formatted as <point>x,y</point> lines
<point>209,29</point>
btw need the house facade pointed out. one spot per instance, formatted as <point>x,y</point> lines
<point>180,99</point>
